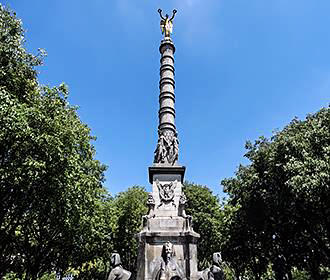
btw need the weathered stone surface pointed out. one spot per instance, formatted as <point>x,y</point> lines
<point>151,246</point>
<point>215,271</point>
<point>166,266</point>
<point>167,150</point>
<point>164,172</point>
<point>117,272</point>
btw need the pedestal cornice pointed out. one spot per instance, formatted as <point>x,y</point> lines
<point>165,169</point>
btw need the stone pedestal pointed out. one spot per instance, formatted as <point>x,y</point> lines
<point>150,249</point>
<point>167,222</point>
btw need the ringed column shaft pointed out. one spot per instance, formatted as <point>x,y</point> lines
<point>166,112</point>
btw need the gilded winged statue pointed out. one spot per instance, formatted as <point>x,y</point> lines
<point>166,23</point>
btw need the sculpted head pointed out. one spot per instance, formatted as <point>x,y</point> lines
<point>168,247</point>
<point>115,260</point>
<point>167,251</point>
<point>150,199</point>
<point>217,259</point>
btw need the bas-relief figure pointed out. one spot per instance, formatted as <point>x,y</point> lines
<point>215,271</point>
<point>166,266</point>
<point>118,272</point>
<point>167,150</point>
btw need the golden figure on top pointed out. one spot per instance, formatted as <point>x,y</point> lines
<point>166,23</point>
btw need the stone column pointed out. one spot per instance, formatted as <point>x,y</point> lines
<point>166,223</point>
<point>167,150</point>
<point>166,112</point>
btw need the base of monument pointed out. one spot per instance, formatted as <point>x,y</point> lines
<point>184,250</point>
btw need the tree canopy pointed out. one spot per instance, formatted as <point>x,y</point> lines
<point>129,206</point>
<point>281,201</point>
<point>208,219</point>
<point>50,182</point>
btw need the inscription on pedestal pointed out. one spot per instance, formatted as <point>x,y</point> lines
<point>168,223</point>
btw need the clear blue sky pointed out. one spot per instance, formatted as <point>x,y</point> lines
<point>243,69</point>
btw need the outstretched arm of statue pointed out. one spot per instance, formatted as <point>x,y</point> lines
<point>174,12</point>
<point>160,13</point>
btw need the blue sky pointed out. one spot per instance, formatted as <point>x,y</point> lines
<point>243,69</point>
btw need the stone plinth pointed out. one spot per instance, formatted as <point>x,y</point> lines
<point>167,222</point>
<point>150,249</point>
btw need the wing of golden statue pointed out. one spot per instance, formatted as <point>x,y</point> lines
<point>162,26</point>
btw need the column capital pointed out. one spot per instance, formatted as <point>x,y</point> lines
<point>166,42</point>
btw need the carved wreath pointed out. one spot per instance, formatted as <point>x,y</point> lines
<point>166,192</point>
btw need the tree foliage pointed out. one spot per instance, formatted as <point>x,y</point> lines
<point>50,183</point>
<point>129,207</point>
<point>281,202</point>
<point>205,208</point>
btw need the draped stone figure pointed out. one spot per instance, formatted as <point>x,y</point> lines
<point>216,267</point>
<point>161,150</point>
<point>151,209</point>
<point>215,271</point>
<point>118,272</point>
<point>182,212</point>
<point>166,266</point>
<point>167,150</point>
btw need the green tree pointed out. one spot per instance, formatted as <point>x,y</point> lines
<point>93,259</point>
<point>129,207</point>
<point>281,202</point>
<point>208,219</point>
<point>50,184</point>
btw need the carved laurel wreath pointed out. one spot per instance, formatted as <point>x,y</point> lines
<point>166,192</point>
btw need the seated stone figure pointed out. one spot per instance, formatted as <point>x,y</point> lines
<point>117,272</point>
<point>216,268</point>
<point>151,206</point>
<point>215,271</point>
<point>182,212</point>
<point>166,267</point>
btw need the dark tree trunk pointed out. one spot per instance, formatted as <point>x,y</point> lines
<point>315,273</point>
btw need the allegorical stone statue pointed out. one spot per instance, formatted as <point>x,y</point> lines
<point>166,266</point>
<point>216,268</point>
<point>117,272</point>
<point>151,205</point>
<point>151,209</point>
<point>166,23</point>
<point>167,150</point>
<point>182,211</point>
<point>215,271</point>
<point>161,150</point>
